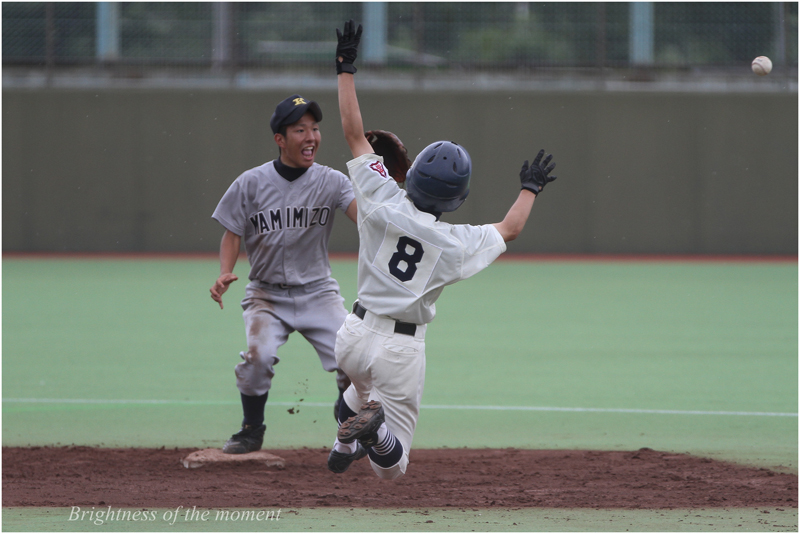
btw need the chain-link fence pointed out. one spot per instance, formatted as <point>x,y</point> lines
<point>448,35</point>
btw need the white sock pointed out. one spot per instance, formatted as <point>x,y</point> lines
<point>347,448</point>
<point>382,431</point>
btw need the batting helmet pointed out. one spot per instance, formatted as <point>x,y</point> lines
<point>438,180</point>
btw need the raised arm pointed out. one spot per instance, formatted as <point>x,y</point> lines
<point>352,124</point>
<point>513,223</point>
<point>533,179</point>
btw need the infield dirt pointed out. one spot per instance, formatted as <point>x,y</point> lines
<point>648,479</point>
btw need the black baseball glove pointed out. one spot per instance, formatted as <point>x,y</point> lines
<point>347,49</point>
<point>535,177</point>
<point>395,155</point>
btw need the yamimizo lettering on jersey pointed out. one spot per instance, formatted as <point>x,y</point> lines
<point>290,217</point>
<point>406,259</point>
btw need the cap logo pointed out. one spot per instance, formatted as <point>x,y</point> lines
<point>299,101</point>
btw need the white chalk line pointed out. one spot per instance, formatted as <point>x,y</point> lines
<point>424,406</point>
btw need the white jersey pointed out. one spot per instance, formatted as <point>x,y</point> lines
<point>285,225</point>
<point>406,256</point>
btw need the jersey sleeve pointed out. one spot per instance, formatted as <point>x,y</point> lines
<point>371,180</point>
<point>346,195</point>
<point>482,245</point>
<point>230,211</point>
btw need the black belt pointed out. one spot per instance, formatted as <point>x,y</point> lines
<point>400,327</point>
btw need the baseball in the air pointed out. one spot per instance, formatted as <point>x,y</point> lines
<point>762,65</point>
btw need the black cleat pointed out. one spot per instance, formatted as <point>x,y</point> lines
<point>248,439</point>
<point>363,426</point>
<point>338,462</point>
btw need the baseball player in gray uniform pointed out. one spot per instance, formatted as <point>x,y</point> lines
<point>406,257</point>
<point>284,211</point>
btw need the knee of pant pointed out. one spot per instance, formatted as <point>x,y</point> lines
<point>391,473</point>
<point>259,358</point>
<point>353,400</point>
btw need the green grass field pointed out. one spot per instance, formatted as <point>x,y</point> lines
<point>690,357</point>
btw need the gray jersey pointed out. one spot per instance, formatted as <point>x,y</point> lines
<point>285,225</point>
<point>406,257</point>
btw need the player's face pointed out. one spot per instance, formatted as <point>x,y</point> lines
<point>300,144</point>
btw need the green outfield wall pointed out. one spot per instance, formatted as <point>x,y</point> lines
<point>639,172</point>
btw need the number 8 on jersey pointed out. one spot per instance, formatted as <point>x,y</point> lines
<point>406,259</point>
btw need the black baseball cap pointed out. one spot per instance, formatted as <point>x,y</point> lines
<point>291,110</point>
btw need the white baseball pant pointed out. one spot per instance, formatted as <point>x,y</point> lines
<point>387,367</point>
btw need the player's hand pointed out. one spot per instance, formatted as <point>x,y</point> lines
<point>535,177</point>
<point>221,286</point>
<point>347,48</point>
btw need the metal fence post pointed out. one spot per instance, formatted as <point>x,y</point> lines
<point>418,29</point>
<point>642,22</point>
<point>221,53</point>
<point>376,21</point>
<point>107,47</point>
<point>49,40</point>
<point>780,34</point>
<point>600,57</point>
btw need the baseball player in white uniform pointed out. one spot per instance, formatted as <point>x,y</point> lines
<point>284,211</point>
<point>406,257</point>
